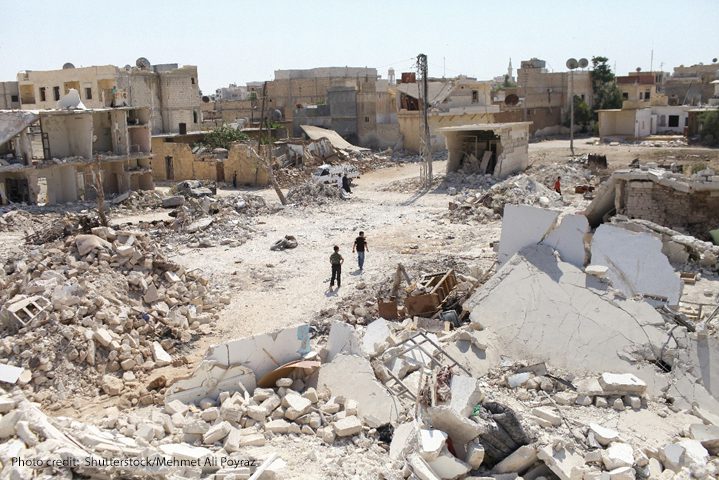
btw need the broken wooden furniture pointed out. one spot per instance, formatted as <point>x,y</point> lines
<point>438,286</point>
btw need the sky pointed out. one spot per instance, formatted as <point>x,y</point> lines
<point>239,41</point>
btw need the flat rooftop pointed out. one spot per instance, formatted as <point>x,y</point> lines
<point>483,126</point>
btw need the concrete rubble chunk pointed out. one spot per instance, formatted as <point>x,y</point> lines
<point>568,239</point>
<point>694,452</point>
<point>347,426</point>
<point>216,433</point>
<point>182,451</point>
<point>277,426</point>
<point>376,335</point>
<point>621,384</point>
<point>102,336</point>
<point>708,435</point>
<point>112,385</point>
<point>421,469</point>
<point>296,406</point>
<point>475,455</point>
<point>465,394</point>
<point>519,379</point>
<point>431,443</point>
<point>343,339</point>
<point>447,466</point>
<point>376,405</point>
<point>622,473</point>
<point>159,355</point>
<point>548,414</point>
<point>518,461</point>
<point>87,243</point>
<point>403,440</point>
<point>618,455</point>
<point>636,263</point>
<point>460,429</point>
<point>603,435</point>
<point>176,406</point>
<point>564,463</point>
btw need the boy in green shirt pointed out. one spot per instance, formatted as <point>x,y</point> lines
<point>336,261</point>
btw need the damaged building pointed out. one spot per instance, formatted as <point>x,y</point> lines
<point>170,91</point>
<point>498,149</point>
<point>688,203</point>
<point>48,156</point>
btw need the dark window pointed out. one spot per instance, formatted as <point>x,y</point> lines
<point>194,116</point>
<point>582,97</point>
<point>366,119</point>
<point>43,97</point>
<point>192,79</point>
<point>475,96</point>
<point>88,93</point>
<point>625,95</point>
<point>646,95</point>
<point>686,121</point>
<point>13,98</point>
<point>56,92</point>
<point>673,120</point>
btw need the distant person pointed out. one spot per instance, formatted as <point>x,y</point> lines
<point>558,185</point>
<point>361,246</point>
<point>234,180</point>
<point>336,261</point>
<point>346,184</point>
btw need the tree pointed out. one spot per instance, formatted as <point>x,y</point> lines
<point>606,92</point>
<point>223,137</point>
<point>582,113</point>
<point>710,128</point>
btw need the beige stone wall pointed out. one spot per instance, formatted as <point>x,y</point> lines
<point>182,160</point>
<point>87,77</point>
<point>243,161</point>
<point>695,212</point>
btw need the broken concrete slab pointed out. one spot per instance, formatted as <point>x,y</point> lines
<point>160,356</point>
<point>343,338</point>
<point>621,384</point>
<point>708,435</point>
<point>420,468</point>
<point>566,464</point>
<point>431,443</point>
<point>475,455</point>
<point>569,239</point>
<point>604,436</point>
<point>636,263</point>
<point>376,405</point>
<point>618,455</point>
<point>403,440</point>
<point>548,414</point>
<point>561,316</point>
<point>522,226</point>
<point>465,394</point>
<point>183,451</point>
<point>448,467</point>
<point>376,334</point>
<point>518,461</point>
<point>226,365</point>
<point>460,429</point>
<point>348,426</point>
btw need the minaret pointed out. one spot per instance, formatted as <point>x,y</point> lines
<point>509,70</point>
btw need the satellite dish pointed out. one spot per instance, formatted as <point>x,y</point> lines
<point>511,99</point>
<point>71,101</point>
<point>128,67</point>
<point>206,99</point>
<point>276,115</point>
<point>639,69</point>
<point>714,60</point>
<point>68,66</point>
<point>572,63</point>
<point>583,63</point>
<point>143,63</point>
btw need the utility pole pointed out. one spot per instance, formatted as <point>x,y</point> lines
<point>268,162</point>
<point>573,64</point>
<point>425,147</point>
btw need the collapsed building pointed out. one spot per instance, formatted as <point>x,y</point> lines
<point>48,156</point>
<point>688,203</point>
<point>498,149</point>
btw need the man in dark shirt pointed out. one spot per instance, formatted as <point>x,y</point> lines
<point>346,184</point>
<point>361,246</point>
<point>336,261</point>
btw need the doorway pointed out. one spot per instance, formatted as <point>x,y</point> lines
<point>169,168</point>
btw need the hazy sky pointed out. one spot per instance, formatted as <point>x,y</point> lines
<point>239,41</point>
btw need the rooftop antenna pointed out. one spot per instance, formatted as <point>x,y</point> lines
<point>651,62</point>
<point>444,67</point>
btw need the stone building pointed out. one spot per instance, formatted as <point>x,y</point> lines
<point>686,203</point>
<point>499,149</point>
<point>9,96</point>
<point>645,110</point>
<point>170,92</point>
<point>49,155</point>
<point>691,85</point>
<point>453,102</point>
<point>176,158</point>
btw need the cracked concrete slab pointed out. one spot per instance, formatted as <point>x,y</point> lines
<point>636,263</point>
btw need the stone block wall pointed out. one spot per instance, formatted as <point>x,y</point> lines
<point>694,212</point>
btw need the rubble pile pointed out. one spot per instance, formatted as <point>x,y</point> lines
<point>210,221</point>
<point>570,175</point>
<point>135,201</point>
<point>96,311</point>
<point>312,193</point>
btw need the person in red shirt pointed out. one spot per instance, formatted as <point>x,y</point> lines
<point>558,185</point>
